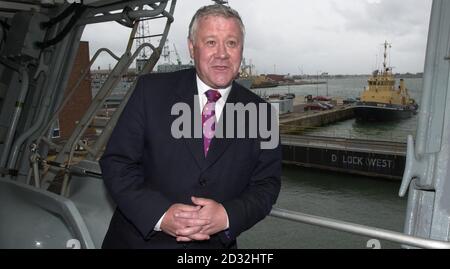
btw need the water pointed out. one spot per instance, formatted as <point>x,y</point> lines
<point>390,131</point>
<point>358,199</point>
<point>381,131</point>
<point>342,87</point>
<point>352,87</point>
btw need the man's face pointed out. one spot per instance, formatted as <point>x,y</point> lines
<point>217,50</point>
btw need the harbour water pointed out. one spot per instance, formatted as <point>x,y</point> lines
<point>358,199</point>
<point>343,87</point>
<point>352,87</point>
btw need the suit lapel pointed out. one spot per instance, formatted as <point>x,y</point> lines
<point>188,93</point>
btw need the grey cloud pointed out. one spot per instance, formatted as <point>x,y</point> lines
<point>337,36</point>
<point>398,17</point>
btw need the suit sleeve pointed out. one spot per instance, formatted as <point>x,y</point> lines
<point>256,202</point>
<point>122,168</point>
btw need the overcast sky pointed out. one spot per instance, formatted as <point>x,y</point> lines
<point>295,36</point>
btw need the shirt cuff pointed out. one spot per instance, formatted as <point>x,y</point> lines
<point>158,225</point>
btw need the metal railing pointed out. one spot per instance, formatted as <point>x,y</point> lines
<point>359,229</point>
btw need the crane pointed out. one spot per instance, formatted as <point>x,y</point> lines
<point>176,53</point>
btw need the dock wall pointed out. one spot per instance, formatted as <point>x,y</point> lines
<point>369,158</point>
<point>299,123</point>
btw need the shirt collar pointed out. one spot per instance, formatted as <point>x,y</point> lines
<point>202,88</point>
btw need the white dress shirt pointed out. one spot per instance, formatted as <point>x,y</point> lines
<point>202,88</point>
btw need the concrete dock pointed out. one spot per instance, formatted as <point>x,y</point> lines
<point>299,120</point>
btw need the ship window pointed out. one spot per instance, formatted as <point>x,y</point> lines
<point>56,131</point>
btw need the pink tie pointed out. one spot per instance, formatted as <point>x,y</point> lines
<point>209,118</point>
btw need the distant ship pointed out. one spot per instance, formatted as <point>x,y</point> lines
<point>246,82</point>
<point>167,67</point>
<point>260,82</point>
<point>382,100</point>
<point>164,68</point>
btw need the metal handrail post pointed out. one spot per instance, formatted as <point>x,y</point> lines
<point>359,229</point>
<point>123,65</point>
<point>103,138</point>
<point>72,91</point>
<point>16,115</point>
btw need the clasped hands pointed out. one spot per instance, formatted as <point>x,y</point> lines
<point>195,222</point>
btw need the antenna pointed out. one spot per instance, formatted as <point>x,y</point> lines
<point>376,62</point>
<point>252,67</point>
<point>386,47</point>
<point>142,37</point>
<point>166,52</point>
<point>390,55</point>
<point>178,55</point>
<point>300,70</point>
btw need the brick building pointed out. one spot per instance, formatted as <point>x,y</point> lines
<point>81,99</point>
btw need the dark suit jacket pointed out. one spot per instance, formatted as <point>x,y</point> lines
<point>146,170</point>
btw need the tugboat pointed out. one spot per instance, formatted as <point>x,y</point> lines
<point>382,100</point>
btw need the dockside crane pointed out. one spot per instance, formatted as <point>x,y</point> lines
<point>177,55</point>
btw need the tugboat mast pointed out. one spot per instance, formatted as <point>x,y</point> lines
<point>385,67</point>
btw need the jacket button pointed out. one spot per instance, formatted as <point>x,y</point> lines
<point>202,182</point>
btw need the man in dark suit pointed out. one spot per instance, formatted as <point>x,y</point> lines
<point>190,192</point>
